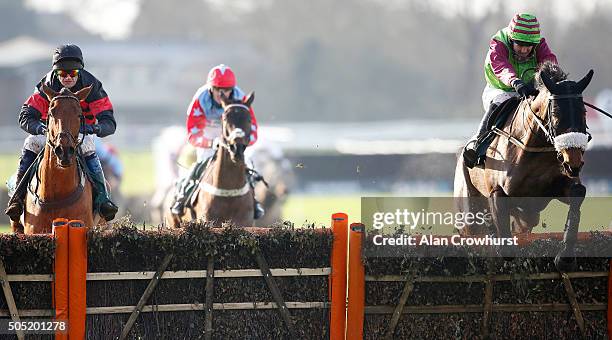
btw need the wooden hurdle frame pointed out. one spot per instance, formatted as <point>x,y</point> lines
<point>347,281</point>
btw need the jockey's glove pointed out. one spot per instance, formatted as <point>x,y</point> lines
<point>90,129</point>
<point>41,129</point>
<point>524,89</point>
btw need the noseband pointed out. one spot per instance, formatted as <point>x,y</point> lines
<point>74,140</point>
<point>548,129</point>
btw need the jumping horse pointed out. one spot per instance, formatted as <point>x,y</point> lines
<point>536,157</point>
<point>224,193</point>
<point>59,187</point>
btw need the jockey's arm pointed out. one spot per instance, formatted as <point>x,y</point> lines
<point>101,106</point>
<point>29,120</point>
<point>196,122</point>
<point>544,53</point>
<point>500,63</point>
<point>254,127</point>
<point>107,123</point>
<point>30,114</point>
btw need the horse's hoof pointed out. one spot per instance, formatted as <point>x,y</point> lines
<point>565,264</point>
<point>108,210</point>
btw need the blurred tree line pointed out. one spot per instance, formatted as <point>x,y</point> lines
<point>359,59</point>
<point>372,60</point>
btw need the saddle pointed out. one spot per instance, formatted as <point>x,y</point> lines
<point>497,120</point>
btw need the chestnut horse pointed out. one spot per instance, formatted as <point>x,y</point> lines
<point>62,190</point>
<point>224,193</point>
<point>536,157</point>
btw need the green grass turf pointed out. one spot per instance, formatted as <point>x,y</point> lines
<point>299,209</point>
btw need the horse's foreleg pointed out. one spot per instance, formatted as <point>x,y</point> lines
<point>566,258</point>
<point>17,227</point>
<point>500,209</point>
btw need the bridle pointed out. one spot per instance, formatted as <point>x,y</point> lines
<point>234,134</point>
<point>547,126</point>
<point>74,140</point>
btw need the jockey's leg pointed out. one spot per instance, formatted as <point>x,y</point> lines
<point>182,191</point>
<point>15,207</point>
<point>32,146</point>
<point>102,202</point>
<point>469,152</point>
<point>186,185</point>
<point>491,99</point>
<point>258,209</point>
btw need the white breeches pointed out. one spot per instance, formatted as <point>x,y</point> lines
<point>36,143</point>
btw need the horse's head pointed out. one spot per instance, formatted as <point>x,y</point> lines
<point>564,114</point>
<point>64,120</point>
<point>236,123</point>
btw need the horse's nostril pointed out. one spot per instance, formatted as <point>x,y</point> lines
<point>58,151</point>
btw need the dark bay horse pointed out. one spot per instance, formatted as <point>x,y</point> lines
<point>536,157</point>
<point>63,191</point>
<point>224,193</point>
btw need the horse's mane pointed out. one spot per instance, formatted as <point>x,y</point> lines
<point>552,70</point>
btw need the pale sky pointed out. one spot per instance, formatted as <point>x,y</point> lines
<point>110,18</point>
<point>113,18</point>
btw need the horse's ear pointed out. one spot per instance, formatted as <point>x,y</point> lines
<point>83,93</point>
<point>548,83</point>
<point>584,82</point>
<point>49,92</point>
<point>249,99</point>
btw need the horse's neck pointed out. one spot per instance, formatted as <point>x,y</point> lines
<point>227,174</point>
<point>55,181</point>
<point>525,127</point>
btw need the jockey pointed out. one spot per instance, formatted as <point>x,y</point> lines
<point>204,125</point>
<point>514,54</point>
<point>68,71</point>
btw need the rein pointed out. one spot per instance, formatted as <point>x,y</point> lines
<point>70,199</point>
<point>598,109</point>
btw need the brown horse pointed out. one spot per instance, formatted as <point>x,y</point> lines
<point>224,193</point>
<point>62,190</point>
<point>536,157</point>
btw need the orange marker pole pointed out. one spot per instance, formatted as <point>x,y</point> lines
<point>337,279</point>
<point>77,279</point>
<point>610,302</point>
<point>356,284</point>
<point>59,286</point>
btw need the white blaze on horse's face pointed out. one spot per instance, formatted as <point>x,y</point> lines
<point>235,134</point>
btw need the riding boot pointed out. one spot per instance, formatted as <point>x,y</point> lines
<point>15,207</point>
<point>259,210</point>
<point>470,156</point>
<point>102,202</point>
<point>253,177</point>
<point>183,189</point>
